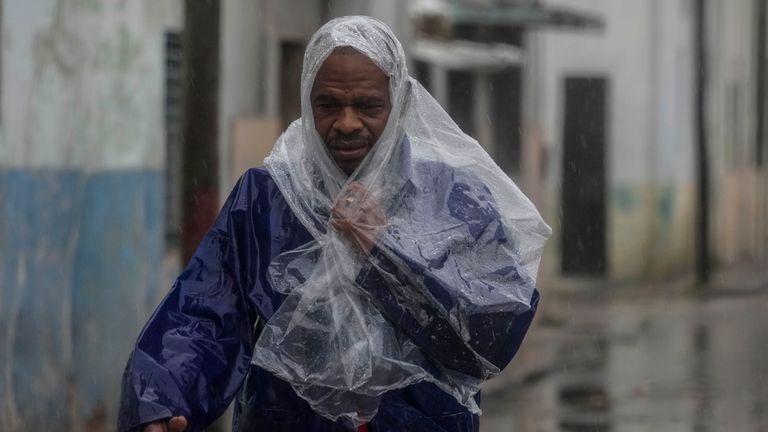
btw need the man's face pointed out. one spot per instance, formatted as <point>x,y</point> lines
<point>350,105</point>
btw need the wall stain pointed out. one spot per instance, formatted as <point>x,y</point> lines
<point>624,198</point>
<point>665,205</point>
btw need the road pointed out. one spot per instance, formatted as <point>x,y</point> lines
<point>683,362</point>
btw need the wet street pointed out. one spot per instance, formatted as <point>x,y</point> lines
<point>693,363</point>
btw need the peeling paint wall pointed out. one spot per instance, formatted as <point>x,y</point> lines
<point>79,90</point>
<point>81,186</point>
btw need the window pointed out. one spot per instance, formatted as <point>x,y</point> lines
<point>173,123</point>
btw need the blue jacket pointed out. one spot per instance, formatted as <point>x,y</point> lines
<point>193,356</point>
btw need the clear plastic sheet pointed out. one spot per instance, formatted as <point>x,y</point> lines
<point>455,258</point>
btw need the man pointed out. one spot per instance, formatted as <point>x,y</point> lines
<point>375,273</point>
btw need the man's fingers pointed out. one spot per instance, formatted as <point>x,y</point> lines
<point>177,424</point>
<point>355,186</point>
<point>158,426</point>
<point>337,212</point>
<point>358,216</point>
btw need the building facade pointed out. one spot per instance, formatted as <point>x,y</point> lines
<point>81,202</point>
<point>615,114</point>
<point>587,104</point>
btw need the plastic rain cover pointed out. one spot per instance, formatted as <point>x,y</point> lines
<point>328,339</point>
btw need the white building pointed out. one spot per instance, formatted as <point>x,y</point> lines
<point>629,92</point>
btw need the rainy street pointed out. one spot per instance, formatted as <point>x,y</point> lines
<point>296,215</point>
<point>681,362</point>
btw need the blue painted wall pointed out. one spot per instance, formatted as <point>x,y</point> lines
<point>80,259</point>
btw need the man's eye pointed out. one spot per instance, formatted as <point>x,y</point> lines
<point>328,105</point>
<point>371,108</point>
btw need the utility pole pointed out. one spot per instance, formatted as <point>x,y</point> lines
<point>761,7</point>
<point>200,131</point>
<point>702,155</point>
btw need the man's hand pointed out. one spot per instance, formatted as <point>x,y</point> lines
<point>358,216</point>
<point>175,424</point>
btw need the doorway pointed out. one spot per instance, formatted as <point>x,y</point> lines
<point>584,176</point>
<point>507,117</point>
<point>291,59</point>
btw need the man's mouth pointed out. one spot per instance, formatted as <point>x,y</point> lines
<point>348,150</point>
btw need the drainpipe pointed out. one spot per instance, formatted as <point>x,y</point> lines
<point>761,7</point>
<point>702,156</point>
<point>761,60</point>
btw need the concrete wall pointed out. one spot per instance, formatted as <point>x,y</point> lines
<point>81,192</point>
<point>645,54</point>
<point>740,189</point>
<point>250,78</point>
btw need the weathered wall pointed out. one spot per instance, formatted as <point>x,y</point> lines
<point>252,31</point>
<point>81,185</point>
<point>741,221</point>
<point>645,54</point>
<point>646,51</point>
<point>739,187</point>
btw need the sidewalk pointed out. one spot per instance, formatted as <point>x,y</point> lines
<point>605,356</point>
<point>577,301</point>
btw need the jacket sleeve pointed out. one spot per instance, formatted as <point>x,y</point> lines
<point>193,354</point>
<point>459,294</point>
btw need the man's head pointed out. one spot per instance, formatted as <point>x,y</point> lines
<point>350,105</point>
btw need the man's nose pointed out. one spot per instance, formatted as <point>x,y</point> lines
<point>348,121</point>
